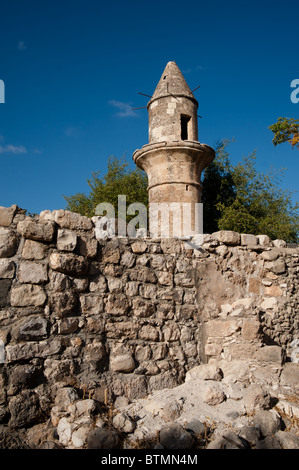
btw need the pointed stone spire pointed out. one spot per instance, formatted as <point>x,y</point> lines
<point>172,81</point>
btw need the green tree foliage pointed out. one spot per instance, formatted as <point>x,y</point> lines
<point>120,179</point>
<point>260,205</point>
<point>286,130</point>
<point>239,197</point>
<point>218,187</point>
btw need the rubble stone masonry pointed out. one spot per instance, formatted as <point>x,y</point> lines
<point>128,316</point>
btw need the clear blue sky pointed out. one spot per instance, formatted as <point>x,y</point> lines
<point>73,70</point>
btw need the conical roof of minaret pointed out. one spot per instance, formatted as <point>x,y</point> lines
<point>172,82</point>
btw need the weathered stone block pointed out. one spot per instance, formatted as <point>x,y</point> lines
<point>264,240</point>
<point>170,245</point>
<point>7,215</point>
<point>131,289</point>
<point>110,253</point>
<point>68,263</point>
<point>270,354</point>
<point>24,409</point>
<point>117,304</point>
<point>67,326</point>
<point>59,281</point>
<point>8,243</point>
<point>248,239</point>
<point>122,363</point>
<point>270,255</point>
<point>7,269</point>
<point>72,220</point>
<point>63,303</point>
<point>87,246</point>
<point>171,332</point>
<point>205,372</point>
<point>27,295</point>
<point>269,303</point>
<point>222,328</point>
<point>128,259</point>
<point>91,304</point>
<point>165,310</point>
<point>115,284</point>
<point>34,328</point>
<point>273,291</point>
<point>142,307</point>
<point>254,285</point>
<point>139,247</point>
<point>66,240</point>
<point>279,243</point>
<point>165,278</point>
<point>32,273</point>
<point>24,351</point>
<point>123,329</point>
<point>149,333</point>
<point>214,396</point>
<point>40,231</point>
<point>98,284</point>
<point>34,250</point>
<point>174,436</point>
<point>250,329</point>
<point>186,312</point>
<point>267,422</point>
<point>123,423</point>
<point>228,237</point>
<point>142,274</point>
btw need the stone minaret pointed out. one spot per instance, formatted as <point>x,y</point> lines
<point>173,159</point>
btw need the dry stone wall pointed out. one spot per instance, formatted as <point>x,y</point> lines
<point>125,317</point>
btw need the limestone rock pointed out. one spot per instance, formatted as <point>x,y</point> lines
<point>102,438</point>
<point>91,304</point>
<point>270,443</point>
<point>63,303</point>
<point>33,273</point>
<point>174,436</point>
<point>7,269</point>
<point>26,295</point>
<point>248,239</point>
<point>270,354</point>
<point>39,231</point>
<point>228,237</point>
<point>171,411</point>
<point>251,434</point>
<point>214,396</point>
<point>69,263</point>
<point>123,423</point>
<point>66,240</point>
<point>25,351</point>
<point>65,396</point>
<point>264,240</point>
<point>8,243</point>
<point>287,440</point>
<point>122,363</point>
<point>117,304</point>
<point>72,220</point>
<point>34,250</point>
<point>139,247</point>
<point>7,215</point>
<point>255,397</point>
<point>65,429</point>
<point>229,440</point>
<point>267,422</point>
<point>24,409</point>
<point>205,372</point>
<point>33,328</point>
